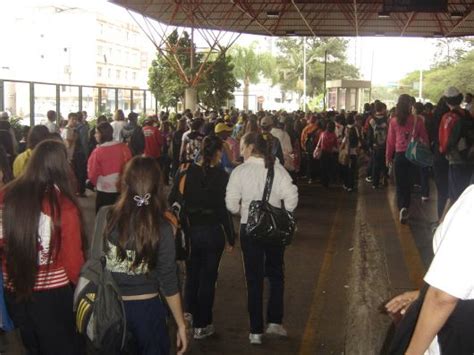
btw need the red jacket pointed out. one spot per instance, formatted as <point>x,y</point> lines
<point>64,266</point>
<point>328,142</point>
<point>153,141</point>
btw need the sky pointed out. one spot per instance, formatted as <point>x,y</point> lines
<point>382,59</point>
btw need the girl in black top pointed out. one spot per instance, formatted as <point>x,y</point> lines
<point>209,227</point>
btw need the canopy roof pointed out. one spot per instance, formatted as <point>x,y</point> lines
<point>422,18</point>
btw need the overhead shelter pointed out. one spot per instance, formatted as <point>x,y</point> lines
<point>420,18</point>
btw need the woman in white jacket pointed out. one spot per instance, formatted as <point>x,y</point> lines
<point>246,184</point>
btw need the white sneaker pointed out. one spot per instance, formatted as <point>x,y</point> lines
<point>276,329</point>
<point>201,333</point>
<point>255,339</point>
<point>424,198</point>
<point>403,215</point>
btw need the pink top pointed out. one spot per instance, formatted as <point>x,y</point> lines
<point>328,142</point>
<point>105,165</point>
<point>399,137</point>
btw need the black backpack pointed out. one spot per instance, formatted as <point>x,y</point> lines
<point>380,132</point>
<point>465,143</point>
<point>309,143</point>
<point>100,312</point>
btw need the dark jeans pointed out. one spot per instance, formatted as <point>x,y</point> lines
<point>460,177</point>
<point>146,321</point>
<point>46,322</point>
<point>404,172</point>
<point>378,166</point>
<point>259,262</point>
<point>165,165</point>
<point>105,199</point>
<point>311,167</point>
<point>441,172</point>
<point>370,165</point>
<point>79,165</point>
<point>207,245</point>
<point>328,164</point>
<point>425,181</point>
<point>350,172</point>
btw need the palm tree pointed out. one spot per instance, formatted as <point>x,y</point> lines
<point>249,65</point>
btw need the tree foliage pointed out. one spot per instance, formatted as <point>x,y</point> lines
<point>170,74</point>
<point>290,63</point>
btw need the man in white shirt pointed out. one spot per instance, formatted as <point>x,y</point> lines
<point>286,146</point>
<point>51,123</point>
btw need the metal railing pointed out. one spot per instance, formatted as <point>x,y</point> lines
<point>33,99</point>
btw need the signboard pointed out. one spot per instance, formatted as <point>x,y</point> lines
<point>415,5</point>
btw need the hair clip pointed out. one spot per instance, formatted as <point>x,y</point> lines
<point>142,200</point>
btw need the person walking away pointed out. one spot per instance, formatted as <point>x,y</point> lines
<point>140,254</point>
<point>165,159</point>
<point>42,251</point>
<point>352,144</point>
<point>285,142</point>
<point>130,127</point>
<point>176,142</point>
<point>328,146</point>
<point>210,229</point>
<point>105,165</point>
<point>424,172</point>
<point>309,137</point>
<point>266,125</point>
<point>51,122</point>
<point>440,163</point>
<point>92,141</point>
<point>456,141</point>
<point>378,142</point>
<point>228,161</point>
<point>402,129</point>
<point>468,101</point>
<point>37,135</point>
<point>192,141</point>
<point>6,174</point>
<point>5,124</point>
<point>118,124</point>
<point>153,139</point>
<point>246,184</point>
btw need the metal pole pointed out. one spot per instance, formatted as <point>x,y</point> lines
<point>2,95</point>
<point>32,104</point>
<point>420,93</point>
<point>371,76</point>
<point>99,104</point>
<point>116,99</point>
<point>131,100</point>
<point>58,104</point>
<point>325,79</point>
<point>80,98</point>
<point>144,101</point>
<point>304,74</point>
<point>156,106</point>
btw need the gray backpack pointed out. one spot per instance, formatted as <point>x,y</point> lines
<point>100,313</point>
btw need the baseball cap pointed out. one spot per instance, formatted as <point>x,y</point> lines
<point>222,127</point>
<point>451,92</point>
<point>266,121</point>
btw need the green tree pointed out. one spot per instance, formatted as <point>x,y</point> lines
<point>177,66</point>
<point>219,83</point>
<point>249,65</point>
<point>290,63</point>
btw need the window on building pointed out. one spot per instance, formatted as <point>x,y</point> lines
<point>109,73</point>
<point>126,74</point>
<point>119,56</point>
<point>99,72</point>
<point>134,75</point>
<point>118,73</point>
<point>100,50</point>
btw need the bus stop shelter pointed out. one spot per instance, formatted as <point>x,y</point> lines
<point>348,95</point>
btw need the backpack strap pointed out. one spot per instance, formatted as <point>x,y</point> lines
<point>97,247</point>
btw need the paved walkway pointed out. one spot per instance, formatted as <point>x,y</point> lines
<point>349,256</point>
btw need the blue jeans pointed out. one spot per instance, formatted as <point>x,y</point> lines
<point>460,177</point>
<point>146,321</point>
<point>263,261</point>
<point>207,245</point>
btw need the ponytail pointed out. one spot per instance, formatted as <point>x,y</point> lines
<point>262,145</point>
<point>210,146</point>
<point>404,105</point>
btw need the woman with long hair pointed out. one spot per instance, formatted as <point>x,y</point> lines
<point>402,128</point>
<point>210,226</point>
<point>140,254</point>
<point>246,184</point>
<point>106,164</point>
<point>42,251</point>
<point>6,174</point>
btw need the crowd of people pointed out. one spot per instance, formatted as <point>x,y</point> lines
<point>208,158</point>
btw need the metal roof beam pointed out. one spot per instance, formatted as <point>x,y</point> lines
<point>303,18</point>
<point>356,18</point>
<point>409,21</point>
<point>460,22</point>
<point>254,18</point>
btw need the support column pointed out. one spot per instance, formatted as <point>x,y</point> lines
<point>32,104</point>
<point>116,99</point>
<point>80,98</point>
<point>357,99</point>
<point>190,99</point>
<point>347,100</point>
<point>2,95</point>
<point>58,104</point>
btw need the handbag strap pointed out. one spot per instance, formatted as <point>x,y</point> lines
<point>268,184</point>
<point>415,121</point>
<point>97,246</point>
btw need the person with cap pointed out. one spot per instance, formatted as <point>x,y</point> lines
<point>153,139</point>
<point>455,132</point>
<point>285,142</point>
<point>266,124</point>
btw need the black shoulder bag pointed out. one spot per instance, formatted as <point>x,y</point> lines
<point>267,224</point>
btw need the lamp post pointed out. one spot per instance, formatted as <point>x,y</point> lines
<point>304,74</point>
